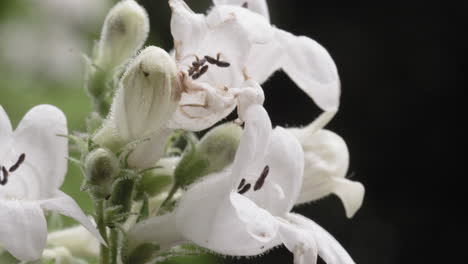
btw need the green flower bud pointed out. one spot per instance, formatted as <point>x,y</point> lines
<point>124,32</point>
<point>213,153</point>
<point>101,166</point>
<point>147,97</point>
<point>159,179</point>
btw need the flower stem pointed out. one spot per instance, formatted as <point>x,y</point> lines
<point>104,251</point>
<point>114,245</point>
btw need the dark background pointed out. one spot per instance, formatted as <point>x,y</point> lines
<point>400,83</point>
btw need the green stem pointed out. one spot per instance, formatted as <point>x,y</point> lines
<point>114,244</point>
<point>169,196</point>
<point>104,252</point>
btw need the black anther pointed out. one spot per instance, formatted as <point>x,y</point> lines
<point>244,189</point>
<point>18,163</point>
<point>241,184</point>
<point>261,180</point>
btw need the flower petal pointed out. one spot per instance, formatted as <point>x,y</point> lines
<point>249,159</point>
<point>326,164</point>
<point>37,137</point>
<point>6,131</point>
<point>160,230</point>
<point>285,159</point>
<point>65,205</point>
<point>311,67</point>
<point>260,224</point>
<point>306,231</point>
<point>23,229</point>
<point>77,240</point>
<point>187,27</point>
<point>214,222</point>
<point>257,6</point>
<point>148,152</point>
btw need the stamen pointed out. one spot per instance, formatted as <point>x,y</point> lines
<point>261,180</point>
<point>223,64</point>
<point>200,72</point>
<point>241,184</point>
<point>245,189</point>
<point>198,63</point>
<point>211,59</point>
<point>18,163</point>
<point>5,176</point>
<point>245,5</point>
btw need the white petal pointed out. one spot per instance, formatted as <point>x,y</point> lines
<point>311,67</point>
<point>23,229</point>
<point>306,134</point>
<point>281,187</point>
<point>251,93</point>
<point>260,224</point>
<point>65,205</point>
<point>329,249</point>
<point>160,230</point>
<point>257,27</point>
<point>300,243</point>
<point>46,152</point>
<point>257,6</point>
<point>77,240</point>
<point>326,164</point>
<point>6,132</point>
<point>148,152</point>
<point>351,194</point>
<point>253,145</point>
<point>264,60</point>
<point>201,106</point>
<point>214,222</point>
<point>187,28</point>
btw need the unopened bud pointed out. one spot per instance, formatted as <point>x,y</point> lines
<point>124,32</point>
<point>148,95</point>
<point>101,166</point>
<point>215,151</point>
<point>159,179</point>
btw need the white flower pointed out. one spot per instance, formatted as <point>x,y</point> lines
<point>77,240</point>
<point>231,49</point>
<point>326,163</point>
<point>305,61</point>
<point>211,53</point>
<point>34,164</point>
<point>245,210</point>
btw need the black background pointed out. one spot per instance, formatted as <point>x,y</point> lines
<point>400,68</point>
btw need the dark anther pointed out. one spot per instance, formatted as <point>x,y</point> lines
<point>216,61</point>
<point>203,70</point>
<point>244,189</point>
<point>223,64</point>
<point>261,180</point>
<point>18,163</point>
<point>211,59</point>
<point>245,5</point>
<point>198,63</point>
<point>241,184</point>
<point>146,74</point>
<point>5,176</point>
<point>200,72</point>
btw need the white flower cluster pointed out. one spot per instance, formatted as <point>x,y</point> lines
<point>231,192</point>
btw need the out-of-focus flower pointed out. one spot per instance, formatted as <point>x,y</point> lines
<point>245,209</point>
<point>44,37</point>
<point>77,240</point>
<point>124,32</point>
<point>326,164</point>
<point>33,166</point>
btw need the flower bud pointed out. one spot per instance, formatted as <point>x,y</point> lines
<point>77,240</point>
<point>101,166</point>
<point>214,152</point>
<point>148,95</point>
<point>159,179</point>
<point>124,32</point>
